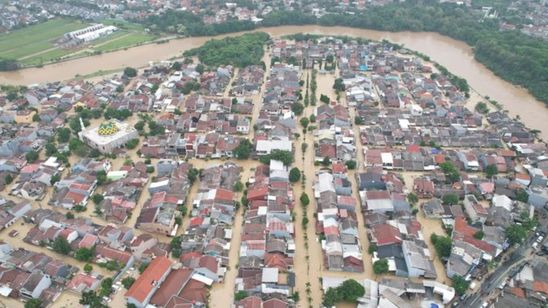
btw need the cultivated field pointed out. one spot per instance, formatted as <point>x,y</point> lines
<point>35,45</point>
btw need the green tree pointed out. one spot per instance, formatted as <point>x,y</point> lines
<point>244,149</point>
<point>140,125</point>
<point>36,118</point>
<point>515,234</point>
<point>412,198</point>
<point>522,195</point>
<point>33,303</point>
<point>8,179</point>
<point>442,244</point>
<point>176,249</point>
<point>193,174</point>
<point>200,68</point>
<point>88,268</point>
<point>238,186</point>
<point>130,72</point>
<point>285,157</point>
<point>61,245</point>
<point>31,156</point>
<point>54,179</point>
<point>297,108</point>
<point>460,284</point>
<point>339,85</point>
<point>481,107</point>
<point>450,199</point>
<point>380,266</point>
<point>97,198</point>
<point>294,175</point>
<point>331,297</point>
<point>351,290</point>
<point>132,144</point>
<point>128,282</point>
<point>106,287</point>
<point>372,248</point>
<point>312,118</point>
<point>69,215</point>
<point>479,235</point>
<point>324,99</point>
<point>491,170</point>
<point>451,172</point>
<point>50,149</point>
<point>304,199</point>
<point>304,122</point>
<point>240,295</point>
<point>351,164</point>
<point>91,299</point>
<point>101,177</point>
<point>84,254</point>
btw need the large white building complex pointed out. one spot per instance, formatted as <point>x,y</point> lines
<point>90,33</point>
<point>108,136</point>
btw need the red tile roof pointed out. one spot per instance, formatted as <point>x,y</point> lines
<point>88,241</point>
<point>144,285</point>
<point>250,302</point>
<point>173,284</point>
<point>386,234</point>
<point>540,286</point>
<point>274,303</point>
<point>461,226</point>
<point>224,194</point>
<point>257,193</point>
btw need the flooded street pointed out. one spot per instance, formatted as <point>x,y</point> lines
<point>223,293</point>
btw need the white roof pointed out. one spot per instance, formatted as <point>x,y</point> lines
<point>387,158</point>
<point>325,182</point>
<point>503,201</point>
<point>202,279</point>
<point>277,165</point>
<point>270,274</point>
<point>159,184</point>
<point>262,210</point>
<point>269,145</point>
<point>447,292</point>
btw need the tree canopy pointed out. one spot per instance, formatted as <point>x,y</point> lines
<point>244,149</point>
<point>442,244</point>
<point>349,291</point>
<point>460,284</point>
<point>294,175</point>
<point>380,266</point>
<point>61,245</point>
<point>238,51</point>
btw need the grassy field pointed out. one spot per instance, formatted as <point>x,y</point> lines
<point>36,38</point>
<point>35,45</point>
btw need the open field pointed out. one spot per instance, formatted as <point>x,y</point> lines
<point>33,39</point>
<point>35,45</point>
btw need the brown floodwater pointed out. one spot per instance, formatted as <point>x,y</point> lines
<point>453,54</point>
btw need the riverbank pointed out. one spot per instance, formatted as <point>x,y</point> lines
<point>455,55</point>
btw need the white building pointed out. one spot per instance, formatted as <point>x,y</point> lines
<point>108,136</point>
<point>91,33</point>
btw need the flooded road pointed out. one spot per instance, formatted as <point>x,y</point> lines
<point>455,55</point>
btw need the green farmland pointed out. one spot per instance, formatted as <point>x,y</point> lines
<point>35,45</point>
